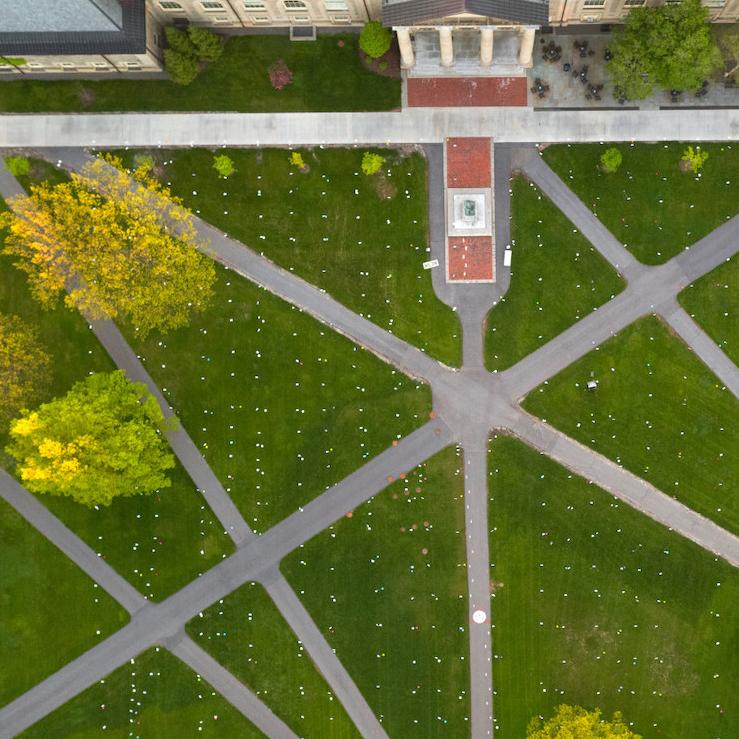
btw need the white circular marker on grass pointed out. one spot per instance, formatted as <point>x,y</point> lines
<point>479,617</point>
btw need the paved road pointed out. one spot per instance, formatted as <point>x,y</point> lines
<point>510,125</point>
<point>231,689</point>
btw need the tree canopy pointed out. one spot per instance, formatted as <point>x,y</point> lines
<point>24,367</point>
<point>102,440</point>
<point>670,45</point>
<point>575,722</point>
<point>109,246</point>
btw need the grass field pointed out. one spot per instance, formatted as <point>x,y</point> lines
<point>326,77</point>
<point>649,204</point>
<point>713,302</point>
<point>387,586</point>
<point>658,411</point>
<point>157,542</point>
<point>362,239</point>
<point>595,604</point>
<point>246,634</point>
<point>50,611</point>
<point>154,695</point>
<point>557,278</point>
<point>281,406</point>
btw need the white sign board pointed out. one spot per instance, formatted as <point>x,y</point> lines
<point>431,264</point>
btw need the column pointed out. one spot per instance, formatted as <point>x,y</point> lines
<point>447,49</point>
<point>486,46</point>
<point>526,49</point>
<point>407,57</point>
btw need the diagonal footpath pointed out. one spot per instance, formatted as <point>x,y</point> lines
<point>702,344</point>
<point>626,486</point>
<point>336,675</point>
<point>239,696</point>
<point>582,217</point>
<point>155,624</point>
<point>39,516</point>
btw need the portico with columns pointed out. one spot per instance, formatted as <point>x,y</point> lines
<point>465,38</point>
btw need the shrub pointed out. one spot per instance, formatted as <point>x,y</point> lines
<point>694,159</point>
<point>371,163</point>
<point>223,164</point>
<point>18,166</point>
<point>144,162</point>
<point>296,159</point>
<point>207,45</point>
<point>610,160</point>
<point>180,42</point>
<point>279,75</point>
<point>374,40</point>
<point>182,69</point>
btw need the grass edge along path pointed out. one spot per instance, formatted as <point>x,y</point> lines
<point>713,301</point>
<point>658,411</point>
<point>327,76</point>
<point>247,634</point>
<point>596,604</point>
<point>361,239</point>
<point>51,611</point>
<point>142,536</point>
<point>558,277</point>
<point>387,585</point>
<point>649,204</point>
<point>152,695</point>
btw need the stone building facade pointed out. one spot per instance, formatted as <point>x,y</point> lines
<point>435,36</point>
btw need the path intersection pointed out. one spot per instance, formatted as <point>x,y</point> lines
<point>469,404</point>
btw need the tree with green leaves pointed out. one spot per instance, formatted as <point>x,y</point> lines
<point>669,45</point>
<point>101,441</point>
<point>375,39</point>
<point>208,46</point>
<point>371,162</point>
<point>574,722</point>
<point>24,367</point>
<point>182,69</point>
<point>610,160</point>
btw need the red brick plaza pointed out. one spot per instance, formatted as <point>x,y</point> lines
<point>469,165</point>
<point>455,92</point>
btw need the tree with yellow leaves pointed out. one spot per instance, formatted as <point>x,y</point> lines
<point>24,367</point>
<point>575,722</point>
<point>102,440</point>
<point>120,251</point>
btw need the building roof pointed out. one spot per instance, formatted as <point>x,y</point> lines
<point>51,27</point>
<point>409,12</point>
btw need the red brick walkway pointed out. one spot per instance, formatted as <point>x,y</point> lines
<point>446,92</point>
<point>468,162</point>
<point>470,258</point>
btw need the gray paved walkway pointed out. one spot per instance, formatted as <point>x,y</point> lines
<point>510,125</point>
<point>39,516</point>
<point>466,400</point>
<point>231,689</point>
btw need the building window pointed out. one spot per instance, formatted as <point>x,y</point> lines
<point>594,3</point>
<point>633,3</point>
<point>210,5</point>
<point>294,4</point>
<point>170,6</point>
<point>254,4</point>
<point>335,6</point>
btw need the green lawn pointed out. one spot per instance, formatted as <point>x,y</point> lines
<point>557,278</point>
<point>658,411</point>
<point>157,542</point>
<point>51,612</point>
<point>281,406</point>
<point>649,204</point>
<point>597,605</point>
<point>712,301</point>
<point>246,634</point>
<point>333,226</point>
<point>154,695</point>
<point>326,77</point>
<point>387,586</point>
